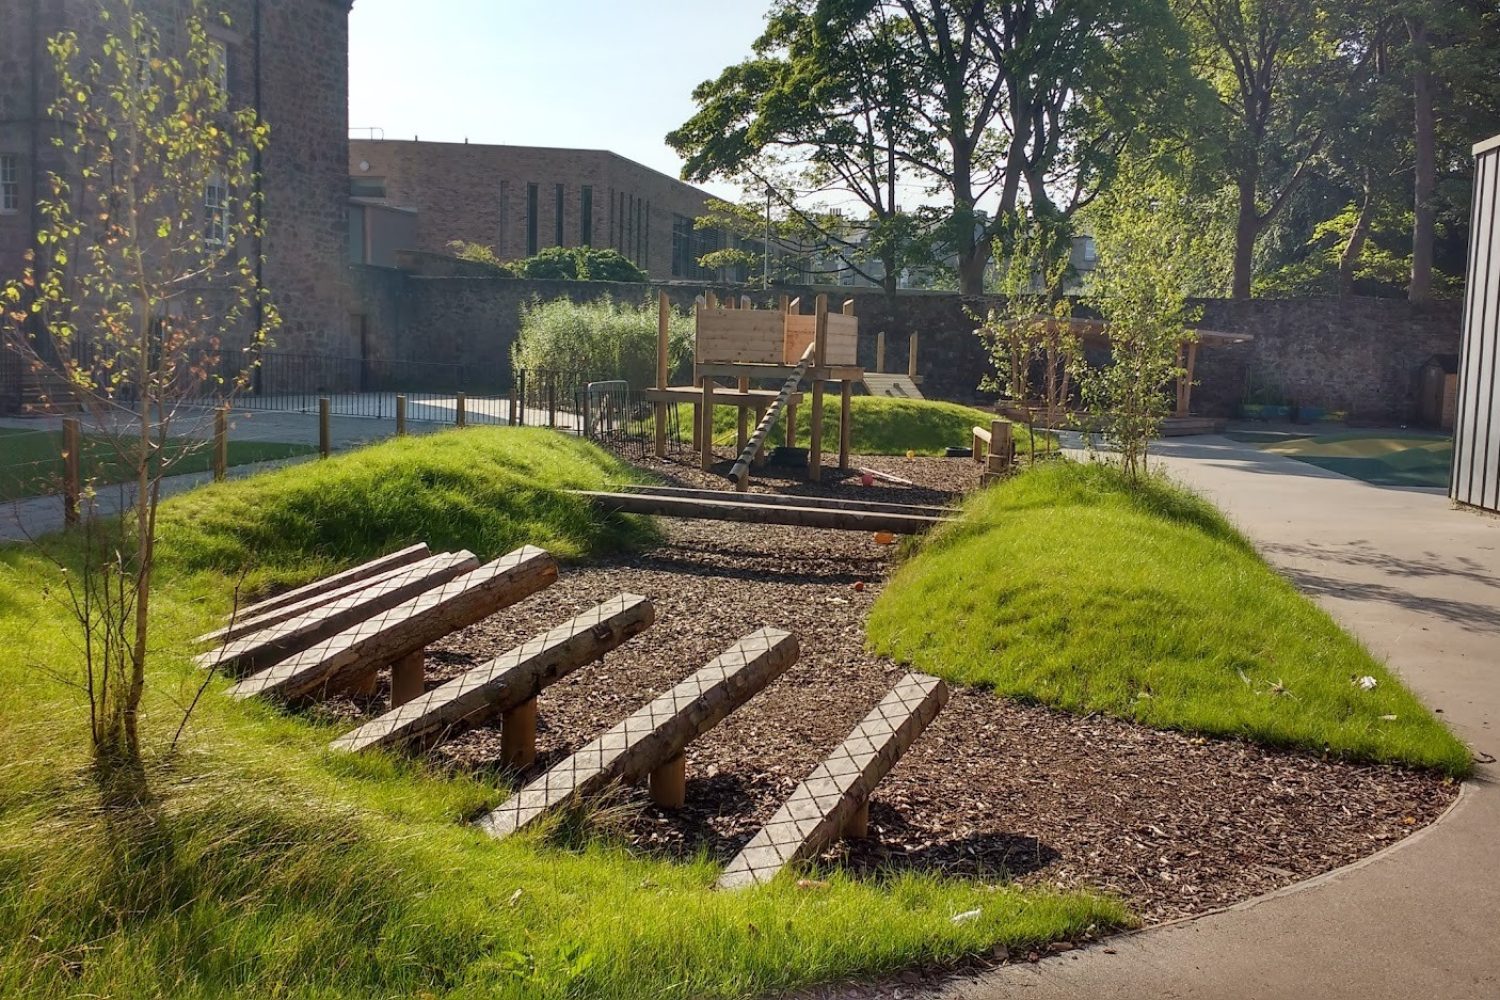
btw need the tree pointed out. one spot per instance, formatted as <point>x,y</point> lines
<point>985,101</point>
<point>1151,260</point>
<point>1283,72</point>
<point>140,295</point>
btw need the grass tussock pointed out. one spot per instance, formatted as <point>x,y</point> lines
<point>1072,587</point>
<point>266,866</point>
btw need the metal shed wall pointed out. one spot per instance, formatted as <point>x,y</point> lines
<point>1476,441</point>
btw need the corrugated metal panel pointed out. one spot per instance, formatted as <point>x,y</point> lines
<point>1476,446</point>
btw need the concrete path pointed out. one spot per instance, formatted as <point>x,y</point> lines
<point>1419,583</point>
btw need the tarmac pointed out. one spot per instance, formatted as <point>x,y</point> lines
<point>1418,581</point>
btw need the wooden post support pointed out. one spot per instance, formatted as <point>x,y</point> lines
<point>740,472</point>
<point>791,424</point>
<point>401,415</point>
<point>221,443</point>
<point>845,423</point>
<point>521,392</point>
<point>880,352</point>
<point>325,431</point>
<point>365,686</point>
<point>760,453</point>
<point>72,469</point>
<point>518,735</point>
<point>742,428</point>
<point>911,356</point>
<point>552,399</point>
<point>459,417</point>
<point>712,300</point>
<point>511,415</point>
<point>820,359</point>
<point>1001,445</point>
<point>663,329</point>
<point>668,783</point>
<point>857,826</point>
<point>695,431</point>
<point>706,435</point>
<point>408,677</point>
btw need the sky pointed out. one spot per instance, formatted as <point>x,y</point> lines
<point>591,74</point>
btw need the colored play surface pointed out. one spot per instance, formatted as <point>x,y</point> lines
<point>1381,457</point>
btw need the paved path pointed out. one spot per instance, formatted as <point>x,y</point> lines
<point>1419,582</point>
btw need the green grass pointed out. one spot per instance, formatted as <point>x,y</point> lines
<point>879,425</point>
<point>31,461</point>
<point>270,867</point>
<point>1068,587</point>
<point>1381,457</point>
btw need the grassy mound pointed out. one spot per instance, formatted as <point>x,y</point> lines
<point>487,489</point>
<point>879,426</point>
<point>1068,586</point>
<point>268,866</point>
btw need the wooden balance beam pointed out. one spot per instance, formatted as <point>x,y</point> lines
<point>793,500</point>
<point>398,636</point>
<point>277,642</point>
<point>507,685</point>
<point>834,799</point>
<point>761,513</point>
<point>404,557</point>
<point>740,473</point>
<point>650,743</point>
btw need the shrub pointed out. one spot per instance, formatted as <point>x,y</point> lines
<point>478,253</point>
<point>580,264</point>
<point>604,339</point>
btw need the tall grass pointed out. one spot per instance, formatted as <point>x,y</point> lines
<point>1072,586</point>
<point>603,339</point>
<point>268,866</point>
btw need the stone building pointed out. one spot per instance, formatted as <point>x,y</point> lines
<point>522,199</point>
<point>288,59</point>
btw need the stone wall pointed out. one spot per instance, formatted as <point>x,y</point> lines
<point>1359,355</point>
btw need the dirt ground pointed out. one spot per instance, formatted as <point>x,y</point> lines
<point>993,790</point>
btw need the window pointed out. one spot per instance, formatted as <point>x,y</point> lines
<point>216,213</point>
<point>10,183</point>
<point>218,63</point>
<point>646,228</point>
<point>620,232</point>
<point>1090,251</point>
<point>640,209</point>
<point>557,216</point>
<point>531,220</point>
<point>586,216</point>
<point>682,246</point>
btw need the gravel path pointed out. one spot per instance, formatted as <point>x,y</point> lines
<point>1173,823</point>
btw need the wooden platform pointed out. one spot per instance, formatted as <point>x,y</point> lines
<point>722,396</point>
<point>653,738</point>
<point>892,386</point>
<point>836,794</point>
<point>350,656</point>
<point>507,681</point>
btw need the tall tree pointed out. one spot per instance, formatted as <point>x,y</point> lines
<point>1283,71</point>
<point>986,101</point>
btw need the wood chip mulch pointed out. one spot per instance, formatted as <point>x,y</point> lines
<point>993,790</point>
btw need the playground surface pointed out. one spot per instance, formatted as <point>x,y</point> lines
<point>1382,457</point>
<point>993,790</point>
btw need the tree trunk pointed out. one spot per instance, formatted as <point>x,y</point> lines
<point>1423,221</point>
<point>1246,229</point>
<point>1349,259</point>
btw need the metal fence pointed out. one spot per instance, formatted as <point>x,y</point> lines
<point>621,419</point>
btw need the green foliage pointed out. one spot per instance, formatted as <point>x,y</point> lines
<point>603,339</point>
<point>1147,266</point>
<point>1078,587</point>
<point>580,264</point>
<point>478,253</point>
<point>267,866</point>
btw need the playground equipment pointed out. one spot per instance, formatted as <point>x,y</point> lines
<point>746,346</point>
<point>647,748</point>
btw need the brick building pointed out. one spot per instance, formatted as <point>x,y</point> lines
<point>522,199</point>
<point>288,59</point>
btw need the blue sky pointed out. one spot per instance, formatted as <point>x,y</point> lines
<point>606,74</point>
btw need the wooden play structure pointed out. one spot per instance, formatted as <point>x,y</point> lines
<point>351,625</point>
<point>736,347</point>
